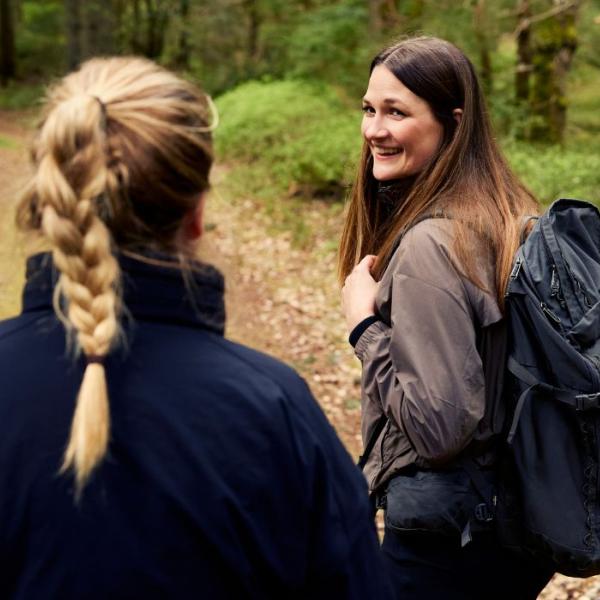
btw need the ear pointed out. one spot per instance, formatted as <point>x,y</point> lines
<point>193,222</point>
<point>457,113</point>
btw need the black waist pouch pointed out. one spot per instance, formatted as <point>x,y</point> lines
<point>443,502</point>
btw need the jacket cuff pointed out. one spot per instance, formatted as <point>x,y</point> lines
<point>361,328</point>
<point>371,334</point>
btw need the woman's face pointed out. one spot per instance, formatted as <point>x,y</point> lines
<point>398,126</point>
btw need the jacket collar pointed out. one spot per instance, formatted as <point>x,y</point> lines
<point>154,288</point>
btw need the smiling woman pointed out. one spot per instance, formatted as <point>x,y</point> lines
<point>423,303</point>
<point>399,127</point>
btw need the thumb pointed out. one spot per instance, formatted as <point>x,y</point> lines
<point>367,262</point>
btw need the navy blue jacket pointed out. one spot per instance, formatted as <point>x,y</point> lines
<point>223,478</point>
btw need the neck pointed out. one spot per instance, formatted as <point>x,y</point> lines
<point>391,194</point>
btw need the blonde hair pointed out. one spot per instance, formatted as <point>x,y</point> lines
<point>122,155</point>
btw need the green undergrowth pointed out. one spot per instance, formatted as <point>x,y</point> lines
<point>6,142</point>
<point>571,170</point>
<point>18,96</point>
<point>551,172</point>
<point>295,138</point>
<point>288,142</point>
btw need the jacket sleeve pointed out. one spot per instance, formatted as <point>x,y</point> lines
<point>343,555</point>
<point>423,369</point>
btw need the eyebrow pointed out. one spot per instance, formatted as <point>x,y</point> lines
<point>387,101</point>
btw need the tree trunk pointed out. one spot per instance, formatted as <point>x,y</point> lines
<point>119,11</point>
<point>135,39</point>
<point>383,16</point>
<point>8,62</point>
<point>74,33</point>
<point>524,53</point>
<point>482,38</point>
<point>375,18</point>
<point>554,43</point>
<point>182,57</point>
<point>562,65</point>
<point>157,19</point>
<point>98,38</point>
<point>254,23</point>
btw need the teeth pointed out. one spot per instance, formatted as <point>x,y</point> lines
<point>387,151</point>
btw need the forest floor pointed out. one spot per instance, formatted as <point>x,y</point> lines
<point>281,298</point>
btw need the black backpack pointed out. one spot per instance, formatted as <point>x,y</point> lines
<point>549,489</point>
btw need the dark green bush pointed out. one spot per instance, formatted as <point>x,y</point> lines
<point>296,135</point>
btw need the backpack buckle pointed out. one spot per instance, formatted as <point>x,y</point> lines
<point>483,513</point>
<point>587,401</point>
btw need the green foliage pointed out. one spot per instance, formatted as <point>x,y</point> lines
<point>554,171</point>
<point>587,27</point>
<point>330,44</point>
<point>7,143</point>
<point>508,117</point>
<point>289,72</point>
<point>17,96</point>
<point>40,38</point>
<point>584,107</point>
<point>298,134</point>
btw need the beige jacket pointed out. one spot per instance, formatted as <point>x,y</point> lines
<point>420,363</point>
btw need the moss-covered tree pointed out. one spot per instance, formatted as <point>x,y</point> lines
<point>8,61</point>
<point>547,41</point>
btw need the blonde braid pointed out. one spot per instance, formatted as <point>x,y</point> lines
<point>122,158</point>
<point>71,177</point>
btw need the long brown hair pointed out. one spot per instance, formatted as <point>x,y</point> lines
<point>122,155</point>
<point>468,178</point>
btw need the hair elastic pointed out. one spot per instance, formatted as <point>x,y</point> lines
<point>102,110</point>
<point>95,359</point>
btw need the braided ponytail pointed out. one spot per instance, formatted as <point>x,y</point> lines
<point>121,159</point>
<point>71,178</point>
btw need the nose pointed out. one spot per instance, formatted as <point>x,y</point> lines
<point>373,129</point>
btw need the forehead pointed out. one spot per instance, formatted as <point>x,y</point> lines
<point>385,86</point>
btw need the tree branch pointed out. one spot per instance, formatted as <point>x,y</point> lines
<point>553,12</point>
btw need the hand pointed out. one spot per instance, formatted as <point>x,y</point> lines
<point>358,293</point>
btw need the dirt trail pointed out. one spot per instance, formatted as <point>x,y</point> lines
<point>280,299</point>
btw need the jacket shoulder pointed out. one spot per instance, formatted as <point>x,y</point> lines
<point>14,325</point>
<point>262,364</point>
<point>426,251</point>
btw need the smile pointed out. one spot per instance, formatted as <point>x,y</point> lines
<point>382,153</point>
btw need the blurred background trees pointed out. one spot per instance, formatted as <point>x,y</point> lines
<point>538,62</point>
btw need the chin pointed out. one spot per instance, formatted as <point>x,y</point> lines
<point>389,175</point>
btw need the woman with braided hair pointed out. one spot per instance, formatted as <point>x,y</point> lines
<point>141,454</point>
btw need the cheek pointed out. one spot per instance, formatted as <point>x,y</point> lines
<point>428,142</point>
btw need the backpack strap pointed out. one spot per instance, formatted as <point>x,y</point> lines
<point>485,512</point>
<point>524,227</point>
<point>580,402</point>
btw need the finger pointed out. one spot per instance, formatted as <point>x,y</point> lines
<point>370,260</point>
<point>366,263</point>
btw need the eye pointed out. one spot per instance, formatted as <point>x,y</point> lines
<point>368,110</point>
<point>396,112</point>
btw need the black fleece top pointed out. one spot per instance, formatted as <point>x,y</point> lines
<point>223,477</point>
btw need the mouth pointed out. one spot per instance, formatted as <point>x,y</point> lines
<point>382,152</point>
